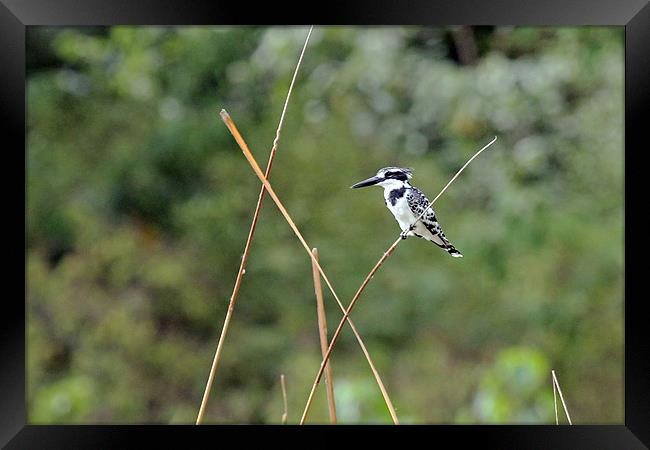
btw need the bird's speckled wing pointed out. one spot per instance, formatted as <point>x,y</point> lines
<point>417,201</point>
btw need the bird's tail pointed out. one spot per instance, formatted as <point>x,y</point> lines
<point>453,252</point>
<point>446,245</point>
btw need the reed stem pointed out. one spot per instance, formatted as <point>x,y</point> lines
<point>322,333</point>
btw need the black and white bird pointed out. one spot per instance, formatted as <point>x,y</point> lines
<point>407,203</point>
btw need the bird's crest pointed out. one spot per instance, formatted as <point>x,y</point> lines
<point>387,170</point>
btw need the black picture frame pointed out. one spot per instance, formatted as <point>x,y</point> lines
<point>634,15</point>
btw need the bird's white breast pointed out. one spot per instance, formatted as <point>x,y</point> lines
<point>400,210</point>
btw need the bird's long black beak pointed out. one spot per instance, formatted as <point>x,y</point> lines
<point>369,182</point>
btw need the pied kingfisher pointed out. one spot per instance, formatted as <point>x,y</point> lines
<point>406,202</point>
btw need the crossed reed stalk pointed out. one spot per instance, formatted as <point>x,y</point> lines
<point>249,240</point>
<point>267,187</point>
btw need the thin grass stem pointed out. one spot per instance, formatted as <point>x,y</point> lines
<point>285,414</point>
<point>557,384</point>
<point>557,422</point>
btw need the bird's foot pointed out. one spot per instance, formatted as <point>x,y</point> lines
<point>404,234</point>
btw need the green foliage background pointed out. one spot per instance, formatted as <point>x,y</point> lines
<point>139,201</point>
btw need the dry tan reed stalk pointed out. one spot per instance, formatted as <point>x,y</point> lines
<point>251,232</point>
<point>284,400</point>
<point>322,333</point>
<point>256,168</point>
<point>557,384</point>
<point>367,280</point>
